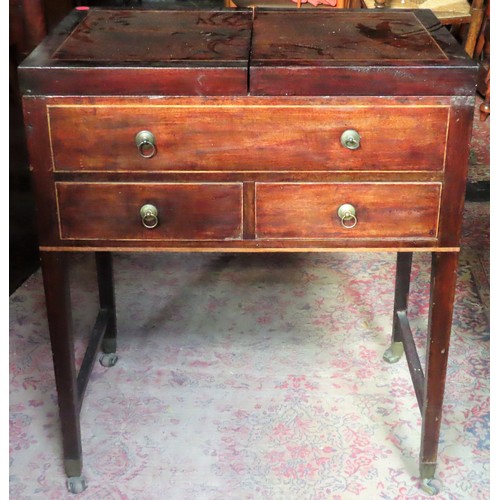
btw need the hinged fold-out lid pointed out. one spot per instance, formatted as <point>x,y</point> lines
<point>356,52</point>
<point>143,52</point>
<point>315,52</point>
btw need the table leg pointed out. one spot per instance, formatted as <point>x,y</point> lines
<point>403,271</point>
<point>443,281</point>
<point>58,303</point>
<point>104,268</point>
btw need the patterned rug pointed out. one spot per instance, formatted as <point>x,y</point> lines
<point>250,377</point>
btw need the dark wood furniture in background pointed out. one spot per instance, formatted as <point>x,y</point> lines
<point>482,54</point>
<point>29,22</point>
<point>217,160</point>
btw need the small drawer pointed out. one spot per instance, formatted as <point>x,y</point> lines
<point>374,210</point>
<point>149,211</point>
<point>236,136</point>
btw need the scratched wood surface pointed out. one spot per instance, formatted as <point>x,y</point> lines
<point>145,36</point>
<point>276,52</point>
<point>346,37</point>
<point>356,52</point>
<point>143,52</point>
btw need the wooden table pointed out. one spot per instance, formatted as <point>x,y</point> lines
<point>233,131</point>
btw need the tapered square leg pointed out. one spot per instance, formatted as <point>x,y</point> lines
<point>443,282</point>
<point>58,303</point>
<point>403,272</point>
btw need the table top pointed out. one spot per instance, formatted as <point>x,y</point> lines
<point>159,37</point>
<point>344,38</point>
<point>227,52</point>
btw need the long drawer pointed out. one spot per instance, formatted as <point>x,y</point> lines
<point>149,211</point>
<point>232,135</point>
<point>380,210</point>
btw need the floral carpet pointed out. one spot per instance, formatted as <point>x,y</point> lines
<point>250,377</point>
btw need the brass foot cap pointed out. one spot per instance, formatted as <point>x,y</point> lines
<point>394,353</point>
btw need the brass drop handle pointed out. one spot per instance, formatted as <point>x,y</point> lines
<point>350,139</point>
<point>149,216</point>
<point>347,216</point>
<point>146,143</point>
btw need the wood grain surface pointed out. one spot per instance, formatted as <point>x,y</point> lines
<point>309,211</point>
<point>261,52</point>
<point>245,135</point>
<point>95,211</point>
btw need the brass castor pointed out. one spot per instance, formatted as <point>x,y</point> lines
<point>431,486</point>
<point>394,353</point>
<point>76,484</point>
<point>108,359</point>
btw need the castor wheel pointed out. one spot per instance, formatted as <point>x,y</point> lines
<point>108,359</point>
<point>394,353</point>
<point>431,486</point>
<point>76,484</point>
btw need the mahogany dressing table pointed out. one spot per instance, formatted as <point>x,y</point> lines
<point>248,131</point>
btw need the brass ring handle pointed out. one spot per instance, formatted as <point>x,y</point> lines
<point>347,216</point>
<point>350,139</point>
<point>149,216</point>
<point>146,144</point>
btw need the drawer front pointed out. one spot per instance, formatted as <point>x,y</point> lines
<point>382,210</point>
<point>237,137</point>
<point>112,211</point>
